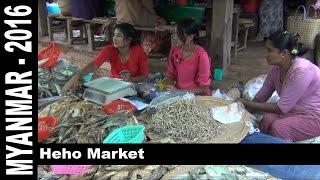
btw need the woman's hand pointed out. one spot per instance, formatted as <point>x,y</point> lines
<point>125,75</point>
<point>71,84</point>
<point>243,101</point>
<point>246,104</point>
<point>171,88</point>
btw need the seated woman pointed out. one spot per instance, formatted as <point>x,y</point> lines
<point>296,116</point>
<point>188,63</point>
<point>127,58</point>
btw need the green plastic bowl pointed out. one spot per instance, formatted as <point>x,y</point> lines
<point>174,13</point>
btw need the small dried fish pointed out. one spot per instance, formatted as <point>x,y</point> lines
<point>186,122</point>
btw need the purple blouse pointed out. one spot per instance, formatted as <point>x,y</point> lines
<point>300,92</point>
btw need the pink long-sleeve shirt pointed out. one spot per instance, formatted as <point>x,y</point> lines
<point>191,72</point>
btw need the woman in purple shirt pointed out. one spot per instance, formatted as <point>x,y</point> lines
<point>296,116</point>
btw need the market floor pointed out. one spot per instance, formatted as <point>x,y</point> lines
<point>248,64</point>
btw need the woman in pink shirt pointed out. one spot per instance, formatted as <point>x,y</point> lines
<point>188,63</point>
<point>296,116</point>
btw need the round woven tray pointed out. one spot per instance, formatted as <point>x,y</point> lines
<point>234,132</point>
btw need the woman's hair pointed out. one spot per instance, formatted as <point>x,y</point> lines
<point>129,31</point>
<point>187,26</point>
<point>285,40</point>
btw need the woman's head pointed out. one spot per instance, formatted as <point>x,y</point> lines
<point>124,35</point>
<point>283,46</point>
<point>188,31</point>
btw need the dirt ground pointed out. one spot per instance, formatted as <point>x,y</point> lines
<point>247,65</point>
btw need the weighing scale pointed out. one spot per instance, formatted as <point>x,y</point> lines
<point>104,90</point>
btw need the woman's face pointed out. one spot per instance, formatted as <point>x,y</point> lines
<point>273,56</point>
<point>119,40</point>
<point>184,38</point>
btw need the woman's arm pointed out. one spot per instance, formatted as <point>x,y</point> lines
<point>74,81</point>
<point>91,67</point>
<point>199,90</point>
<point>261,106</point>
<point>267,88</point>
<point>203,76</point>
<point>171,70</point>
<point>137,78</point>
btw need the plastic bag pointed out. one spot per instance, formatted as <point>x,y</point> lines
<point>168,97</point>
<point>146,90</point>
<point>221,95</point>
<point>228,114</point>
<point>49,56</point>
<point>254,85</point>
<point>63,71</point>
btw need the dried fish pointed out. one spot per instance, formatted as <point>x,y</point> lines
<point>51,81</point>
<point>186,122</point>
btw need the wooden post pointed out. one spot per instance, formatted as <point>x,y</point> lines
<point>50,32</point>
<point>221,31</point>
<point>235,30</point>
<point>90,36</point>
<point>70,32</point>
<point>42,18</point>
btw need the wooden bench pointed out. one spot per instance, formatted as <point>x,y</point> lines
<point>91,26</point>
<point>244,26</point>
<point>69,22</point>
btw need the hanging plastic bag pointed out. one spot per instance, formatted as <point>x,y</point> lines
<point>48,56</point>
<point>253,86</point>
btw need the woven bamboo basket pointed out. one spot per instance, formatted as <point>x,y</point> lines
<point>306,27</point>
<point>234,132</point>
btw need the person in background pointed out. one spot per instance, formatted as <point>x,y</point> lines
<point>127,58</point>
<point>188,63</point>
<point>87,9</point>
<point>270,18</point>
<point>141,13</point>
<point>296,116</point>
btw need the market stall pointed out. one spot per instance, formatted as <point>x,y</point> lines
<point>110,110</point>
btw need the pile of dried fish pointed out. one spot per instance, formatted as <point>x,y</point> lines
<point>45,87</point>
<point>83,122</point>
<point>186,122</point>
<point>114,172</point>
<point>52,80</point>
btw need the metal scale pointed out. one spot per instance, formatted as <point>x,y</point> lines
<point>104,90</point>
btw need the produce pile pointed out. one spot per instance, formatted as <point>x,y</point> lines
<point>185,121</point>
<point>51,81</point>
<point>82,122</point>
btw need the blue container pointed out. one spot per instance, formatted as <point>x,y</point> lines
<point>53,8</point>
<point>88,77</point>
<point>218,74</point>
